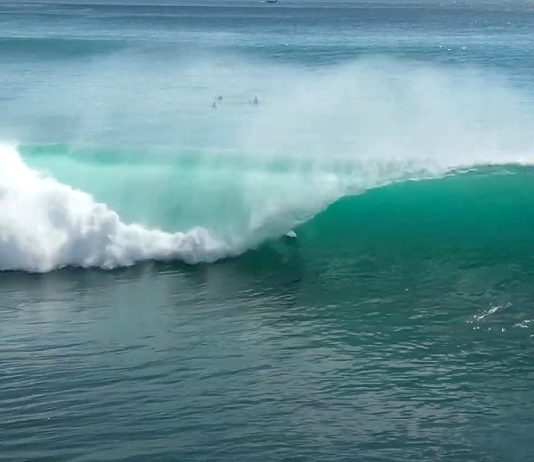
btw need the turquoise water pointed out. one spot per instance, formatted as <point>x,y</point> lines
<point>342,271</point>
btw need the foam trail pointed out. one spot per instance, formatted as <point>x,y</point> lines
<point>45,224</point>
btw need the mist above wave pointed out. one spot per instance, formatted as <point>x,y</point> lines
<point>258,170</point>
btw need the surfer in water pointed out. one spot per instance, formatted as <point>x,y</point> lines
<point>218,99</point>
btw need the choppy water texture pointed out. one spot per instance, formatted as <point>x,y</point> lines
<point>243,232</point>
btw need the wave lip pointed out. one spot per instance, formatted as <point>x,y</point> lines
<point>46,225</point>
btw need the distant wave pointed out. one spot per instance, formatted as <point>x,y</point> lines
<point>56,47</point>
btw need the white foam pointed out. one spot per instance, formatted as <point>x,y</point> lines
<point>45,224</point>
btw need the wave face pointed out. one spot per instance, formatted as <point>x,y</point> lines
<point>487,212</point>
<point>224,181</point>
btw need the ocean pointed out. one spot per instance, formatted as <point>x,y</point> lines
<point>241,231</point>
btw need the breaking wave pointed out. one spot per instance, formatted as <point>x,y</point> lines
<point>243,174</point>
<point>47,224</point>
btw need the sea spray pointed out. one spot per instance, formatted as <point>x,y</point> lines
<point>198,185</point>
